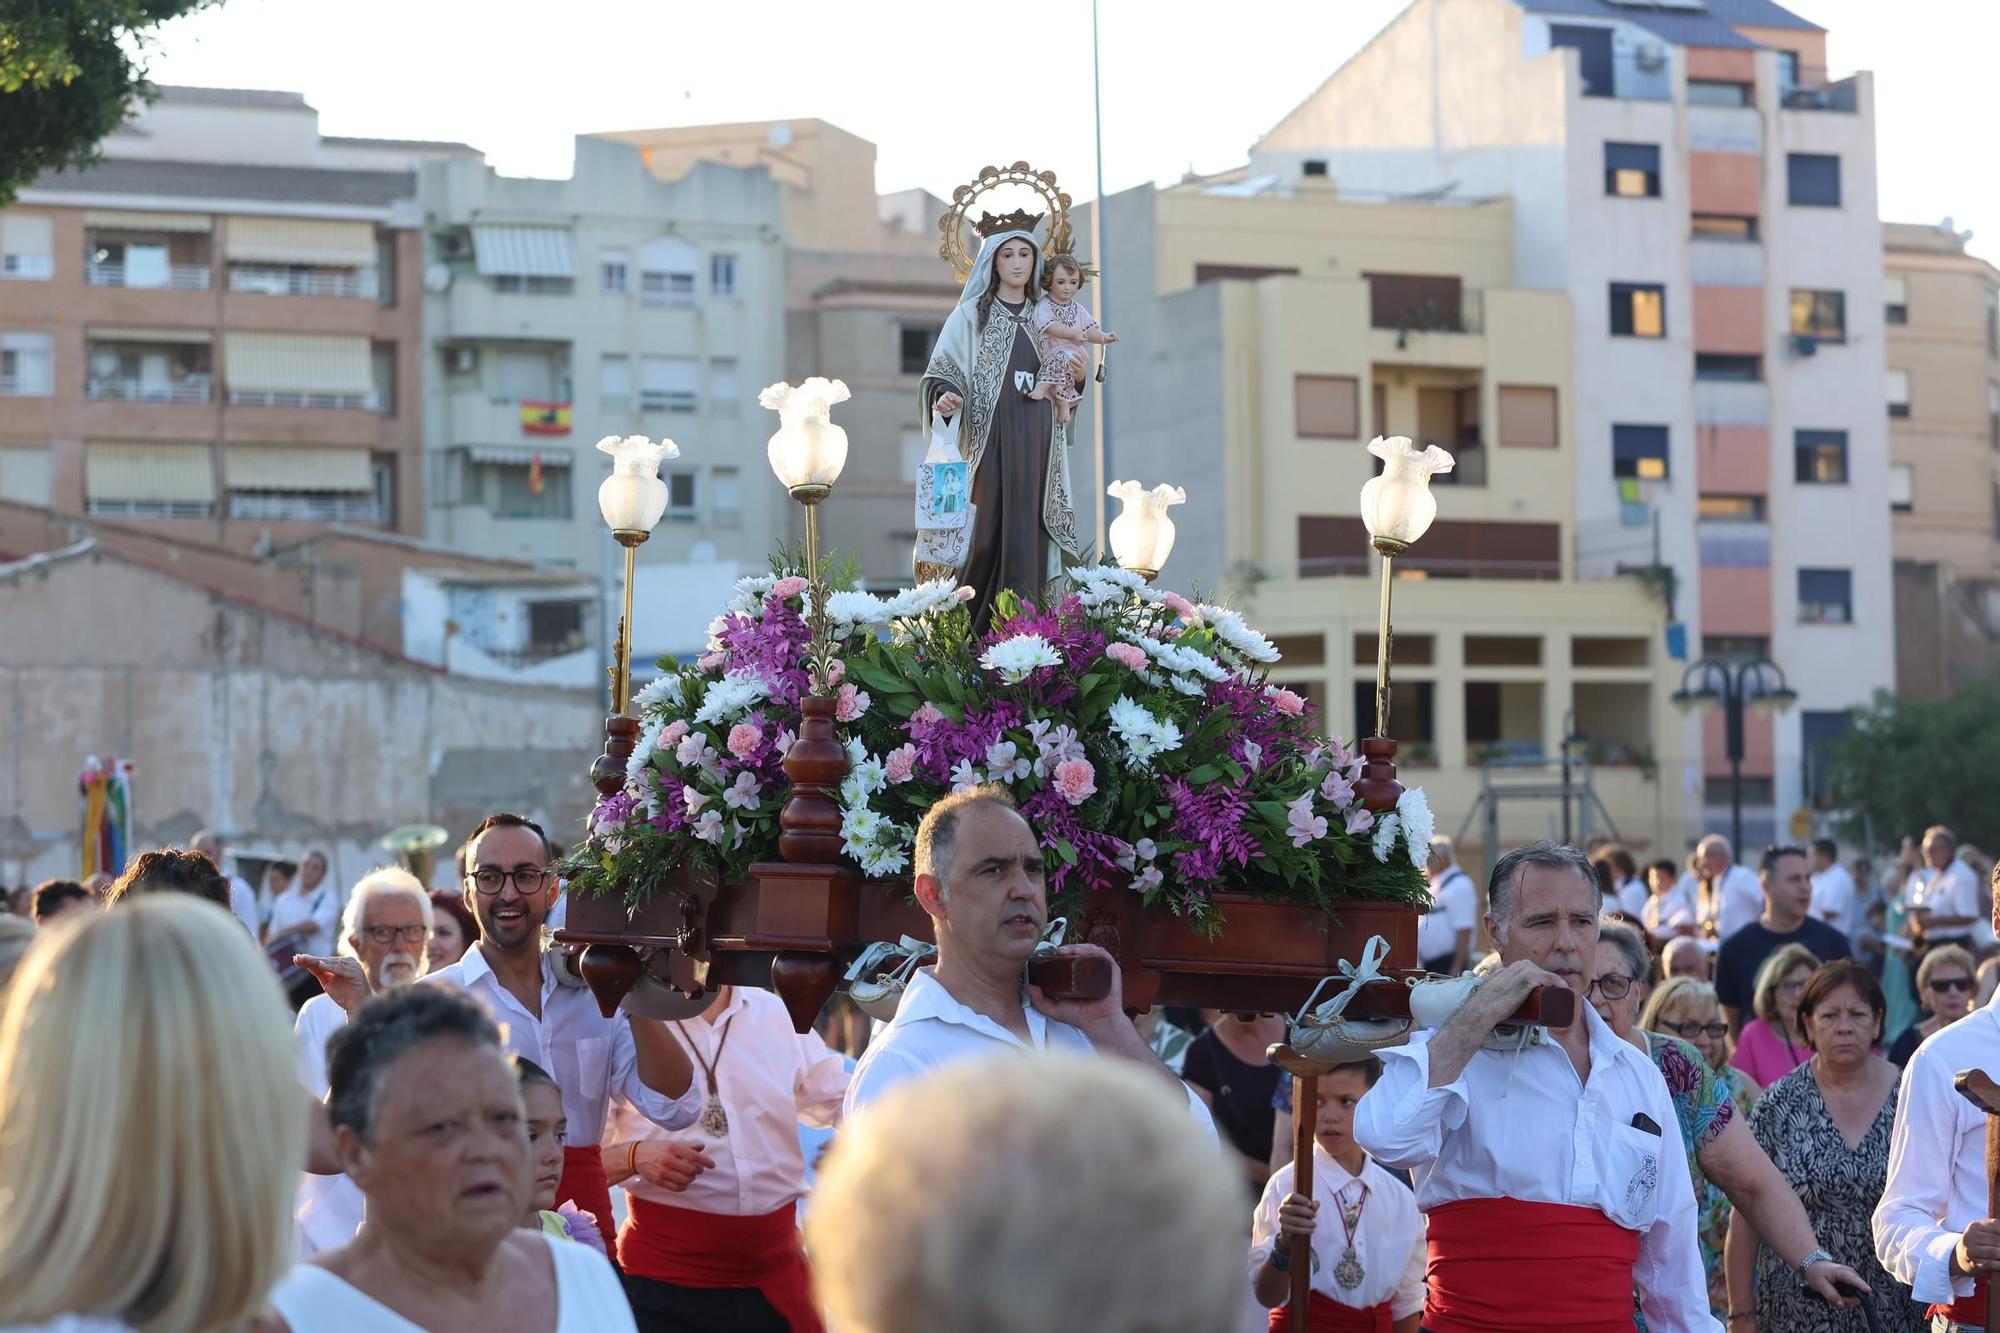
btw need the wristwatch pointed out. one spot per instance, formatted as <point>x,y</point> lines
<point>1816,1257</point>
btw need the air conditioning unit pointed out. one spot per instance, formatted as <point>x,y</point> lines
<point>464,360</point>
<point>1804,344</point>
<point>1651,57</point>
<point>458,245</point>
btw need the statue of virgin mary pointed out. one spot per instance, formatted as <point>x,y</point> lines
<point>982,370</point>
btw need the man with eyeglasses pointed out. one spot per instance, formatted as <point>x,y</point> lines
<point>1788,895</point>
<point>385,926</point>
<point>511,887</point>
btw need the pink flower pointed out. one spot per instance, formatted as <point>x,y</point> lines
<point>1304,825</point>
<point>1076,780</point>
<point>676,731</point>
<point>851,702</point>
<point>1146,848</point>
<point>693,799</point>
<point>783,745</point>
<point>1148,879</point>
<point>1128,655</point>
<point>1286,702</point>
<point>743,738</point>
<point>788,587</point>
<point>900,764</point>
<point>710,661</point>
<point>836,671</point>
<point>1338,791</point>
<point>966,593</point>
<point>1178,604</point>
<point>1360,820</point>
<point>928,715</point>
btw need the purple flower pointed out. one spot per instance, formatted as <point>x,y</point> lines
<point>581,1227</point>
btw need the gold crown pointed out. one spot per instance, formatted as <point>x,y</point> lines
<point>1018,220</point>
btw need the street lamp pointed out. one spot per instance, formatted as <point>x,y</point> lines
<point>1757,682</point>
<point>1142,536</point>
<point>632,499</point>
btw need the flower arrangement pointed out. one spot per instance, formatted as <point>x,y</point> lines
<point>1137,731</point>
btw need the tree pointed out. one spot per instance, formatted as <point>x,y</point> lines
<point>1909,763</point>
<point>69,73</point>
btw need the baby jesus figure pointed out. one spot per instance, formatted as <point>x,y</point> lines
<point>1064,329</point>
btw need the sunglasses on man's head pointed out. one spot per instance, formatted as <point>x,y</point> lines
<point>1951,983</point>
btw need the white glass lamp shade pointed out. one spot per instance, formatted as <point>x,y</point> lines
<point>808,451</point>
<point>633,497</point>
<point>1398,506</point>
<point>1142,536</point>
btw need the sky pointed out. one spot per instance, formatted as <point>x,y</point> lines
<point>1186,86</point>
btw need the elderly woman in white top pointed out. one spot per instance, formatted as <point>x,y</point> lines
<point>306,910</point>
<point>427,1120</point>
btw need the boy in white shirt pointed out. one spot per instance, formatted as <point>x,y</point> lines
<point>1368,1252</point>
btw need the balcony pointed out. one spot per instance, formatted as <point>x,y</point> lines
<point>264,280</point>
<point>1718,262</point>
<point>1724,129</point>
<point>1722,403</point>
<point>1734,545</point>
<point>370,402</point>
<point>305,507</point>
<point>128,389</point>
<point>173,277</point>
<point>1811,90</point>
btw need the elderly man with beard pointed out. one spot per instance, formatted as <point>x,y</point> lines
<point>385,926</point>
<point>1550,1165</point>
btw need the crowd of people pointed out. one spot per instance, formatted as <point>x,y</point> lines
<point>380,1106</point>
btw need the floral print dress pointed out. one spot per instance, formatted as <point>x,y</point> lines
<point>1704,1105</point>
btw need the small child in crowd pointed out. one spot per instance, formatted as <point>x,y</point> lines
<point>548,1130</point>
<point>1367,1251</point>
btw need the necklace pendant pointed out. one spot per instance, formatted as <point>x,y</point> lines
<point>1348,1272</point>
<point>714,1120</point>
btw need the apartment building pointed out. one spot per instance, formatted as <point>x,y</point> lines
<point>1284,325</point>
<point>865,296</point>
<point>216,331</point>
<point>1704,192</point>
<point>610,303</point>
<point>1942,308</point>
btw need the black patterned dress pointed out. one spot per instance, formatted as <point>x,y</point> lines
<point>1839,1187</point>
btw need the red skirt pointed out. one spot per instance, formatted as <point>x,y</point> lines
<point>1508,1266</point>
<point>584,1184</point>
<point>685,1248</point>
<point>1966,1309</point>
<point>1326,1315</point>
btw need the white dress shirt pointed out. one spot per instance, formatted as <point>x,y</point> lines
<point>1937,1160</point>
<point>1633,896</point>
<point>1665,913</point>
<point>319,909</point>
<point>328,1208</point>
<point>1389,1239</point>
<point>1520,1125</point>
<point>1456,908</point>
<point>589,1056</point>
<point>1834,900</point>
<point>1954,891</point>
<point>932,1029</point>
<point>771,1079</point>
<point>1740,901</point>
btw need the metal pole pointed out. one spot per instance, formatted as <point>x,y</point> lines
<point>1732,703</point>
<point>1565,796</point>
<point>1382,652</point>
<point>1100,421</point>
<point>622,699</point>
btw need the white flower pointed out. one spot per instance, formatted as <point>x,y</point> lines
<point>1253,754</point>
<point>1413,809</point>
<point>744,793</point>
<point>1146,848</point>
<point>862,781</point>
<point>1386,829</point>
<point>879,861</point>
<point>858,829</point>
<point>709,827</point>
<point>642,752</point>
<point>693,751</point>
<point>733,694</point>
<point>1231,628</point>
<point>1186,686</point>
<point>1143,735</point>
<point>655,690</point>
<point>856,752</point>
<point>1003,763</point>
<point>965,776</point>
<point>911,603</point>
<point>748,598</point>
<point>1015,658</point>
<point>849,609</point>
<point>783,744</point>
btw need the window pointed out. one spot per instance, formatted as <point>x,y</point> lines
<point>1632,170</point>
<point>1327,407</point>
<point>1412,711</point>
<point>1595,60</point>
<point>682,497</point>
<point>1735,647</point>
<point>1899,393</point>
<point>1528,417</point>
<point>1895,300</point>
<point>1788,70</point>
<point>555,626</point>
<point>1639,451</point>
<point>1718,790</point>
<point>725,395</point>
<point>725,496</point>
<point>722,275</point>
<point>1819,456</point>
<point>1416,301</point>
<point>1717,92</point>
<point>1719,366</point>
<point>26,246</point>
<point>1639,309</point>
<point>666,272</point>
<point>1729,508</point>
<point>523,376</point>
<point>614,380</point>
<point>1812,180</point>
<point>532,284</point>
<point>512,489</point>
<point>612,270</point>
<point>27,365</point>
<point>1902,488</point>
<point>1723,227</point>
<point>1826,596</point>
<point>668,383</point>
<point>1819,315</point>
<point>1313,166</point>
<point>914,343</point>
<point>1818,734</point>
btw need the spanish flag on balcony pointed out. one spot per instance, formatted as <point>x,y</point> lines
<point>544,418</point>
<point>535,482</point>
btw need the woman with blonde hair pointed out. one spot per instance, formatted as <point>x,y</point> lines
<point>1687,1007</point>
<point>1770,1046</point>
<point>1946,982</point>
<point>149,1185</point>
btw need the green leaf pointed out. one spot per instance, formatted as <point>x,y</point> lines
<point>1066,850</point>
<point>1207,773</point>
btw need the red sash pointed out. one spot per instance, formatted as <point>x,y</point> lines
<point>1966,1309</point>
<point>684,1248</point>
<point>1505,1265</point>
<point>584,1184</point>
<point>1327,1315</point>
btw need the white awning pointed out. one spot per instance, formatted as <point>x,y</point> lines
<point>27,234</point>
<point>154,472</point>
<point>250,467</point>
<point>297,363</point>
<point>123,220</point>
<point>124,334</point>
<point>301,241</point>
<point>514,455</point>
<point>523,252</point>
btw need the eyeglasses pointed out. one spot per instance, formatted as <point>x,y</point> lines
<point>489,880</point>
<point>1792,987</point>
<point>1951,983</point>
<point>1612,986</point>
<point>388,934</point>
<point>1690,1031</point>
